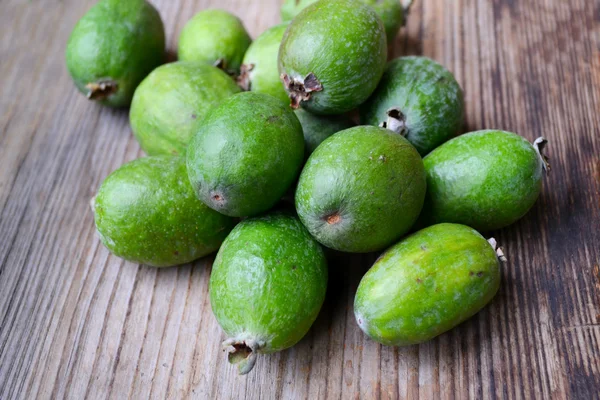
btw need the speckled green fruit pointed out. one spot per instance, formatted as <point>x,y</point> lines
<point>214,37</point>
<point>486,180</point>
<point>332,56</point>
<point>427,284</point>
<point>259,68</point>
<point>361,189</point>
<point>246,154</point>
<point>317,128</point>
<point>418,98</point>
<point>172,101</point>
<point>113,47</point>
<point>267,286</point>
<point>390,12</point>
<point>147,212</point>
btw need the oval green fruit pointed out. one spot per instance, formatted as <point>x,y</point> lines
<point>391,13</point>
<point>172,101</point>
<point>113,47</point>
<point>259,71</point>
<point>147,212</point>
<point>215,37</point>
<point>418,98</point>
<point>486,180</point>
<point>427,284</point>
<point>361,189</point>
<point>246,154</point>
<point>332,56</point>
<point>317,128</point>
<point>267,286</point>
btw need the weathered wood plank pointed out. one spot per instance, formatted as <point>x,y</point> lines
<point>76,322</point>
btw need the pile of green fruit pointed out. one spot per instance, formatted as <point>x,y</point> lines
<point>234,126</point>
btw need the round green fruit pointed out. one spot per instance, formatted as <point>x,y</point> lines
<point>246,154</point>
<point>147,212</point>
<point>332,56</point>
<point>391,13</point>
<point>486,180</point>
<point>214,37</point>
<point>361,189</point>
<point>172,101</point>
<point>418,98</point>
<point>267,286</point>
<point>317,128</point>
<point>113,47</point>
<point>427,284</point>
<point>259,71</point>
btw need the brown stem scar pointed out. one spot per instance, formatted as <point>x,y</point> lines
<point>243,353</point>
<point>243,80</point>
<point>101,89</point>
<point>333,219</point>
<point>498,250</point>
<point>300,90</point>
<point>396,121</point>
<point>539,145</point>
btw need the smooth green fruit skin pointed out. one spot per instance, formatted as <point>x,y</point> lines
<point>486,180</point>
<point>317,128</point>
<point>213,35</point>
<point>170,104</point>
<point>427,284</point>
<point>118,40</point>
<point>370,177</point>
<point>428,96</point>
<point>268,282</point>
<point>390,12</point>
<point>342,42</point>
<point>246,154</point>
<point>261,58</point>
<point>147,212</point>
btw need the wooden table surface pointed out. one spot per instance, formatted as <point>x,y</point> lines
<point>76,322</point>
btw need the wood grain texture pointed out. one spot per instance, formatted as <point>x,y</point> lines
<point>76,322</point>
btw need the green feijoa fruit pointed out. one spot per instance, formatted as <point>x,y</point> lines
<point>267,286</point>
<point>246,154</point>
<point>427,284</point>
<point>391,13</point>
<point>361,189</point>
<point>418,98</point>
<point>332,56</point>
<point>113,47</point>
<point>317,128</point>
<point>486,180</point>
<point>214,37</point>
<point>259,71</point>
<point>147,212</point>
<point>172,101</point>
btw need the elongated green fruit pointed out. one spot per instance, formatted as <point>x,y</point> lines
<point>170,104</point>
<point>332,56</point>
<point>147,212</point>
<point>259,71</point>
<point>418,98</point>
<point>486,180</point>
<point>113,47</point>
<point>427,284</point>
<point>267,286</point>
<point>214,37</point>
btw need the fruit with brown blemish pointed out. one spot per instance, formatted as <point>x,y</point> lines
<point>247,152</point>
<point>170,104</point>
<point>267,286</point>
<point>147,212</point>
<point>418,98</point>
<point>427,284</point>
<point>363,199</point>
<point>332,56</point>
<point>259,71</point>
<point>487,180</point>
<point>214,37</point>
<point>112,49</point>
